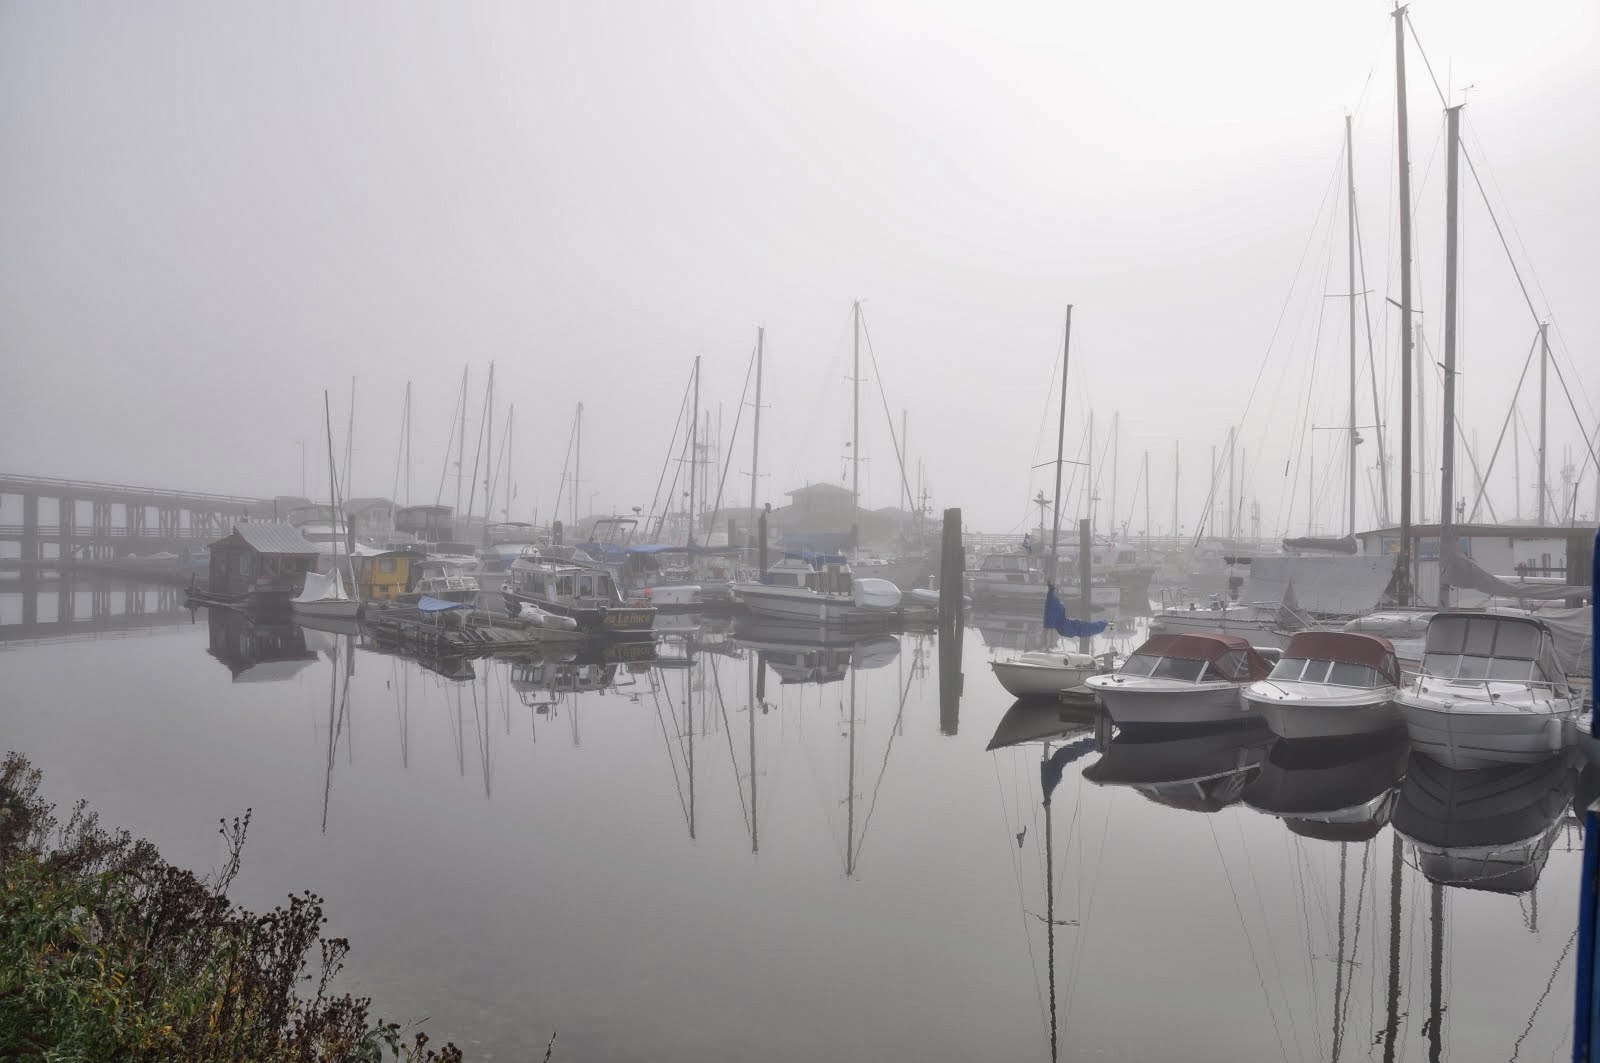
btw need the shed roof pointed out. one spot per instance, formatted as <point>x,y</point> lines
<point>273,537</point>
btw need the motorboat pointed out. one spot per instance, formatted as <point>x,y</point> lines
<point>1198,769</point>
<point>1329,683</point>
<point>819,589</point>
<point>1338,789</point>
<point>1191,678</point>
<point>1005,578</point>
<point>586,594</point>
<point>447,581</point>
<point>324,595</point>
<point>1043,673</point>
<point>1490,691</point>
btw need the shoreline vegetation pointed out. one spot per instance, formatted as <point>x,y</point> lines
<point>109,952</point>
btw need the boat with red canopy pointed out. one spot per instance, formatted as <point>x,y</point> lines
<point>1188,678</point>
<point>1329,683</point>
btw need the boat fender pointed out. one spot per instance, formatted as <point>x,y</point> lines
<point>1554,734</point>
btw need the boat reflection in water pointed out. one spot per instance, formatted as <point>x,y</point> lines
<point>1485,828</point>
<point>1339,789</point>
<point>808,653</point>
<point>256,652</point>
<point>1200,768</point>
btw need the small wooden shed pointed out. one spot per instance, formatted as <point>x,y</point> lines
<point>261,557</point>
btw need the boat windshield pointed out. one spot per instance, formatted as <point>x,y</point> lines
<point>1178,668</point>
<point>1139,664</point>
<point>1468,666</point>
<point>1488,649</point>
<point>1330,673</point>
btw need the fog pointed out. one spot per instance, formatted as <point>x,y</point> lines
<point>211,213</point>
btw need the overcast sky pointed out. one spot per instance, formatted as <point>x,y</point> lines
<point>211,212</point>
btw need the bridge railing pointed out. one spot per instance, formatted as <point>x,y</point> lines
<point>89,531</point>
<point>9,483</point>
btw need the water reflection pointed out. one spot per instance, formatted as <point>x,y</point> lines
<point>824,834</point>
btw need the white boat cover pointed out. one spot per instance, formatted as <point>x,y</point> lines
<point>876,594</point>
<point>1327,586</point>
<point>1573,631</point>
<point>323,587</point>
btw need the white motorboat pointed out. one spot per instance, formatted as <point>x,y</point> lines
<point>323,595</point>
<point>820,591</point>
<point>1044,672</point>
<point>1327,684</point>
<point>1490,691</point>
<point>1181,679</point>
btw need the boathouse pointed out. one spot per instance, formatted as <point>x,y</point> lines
<point>262,558</point>
<point>385,576</point>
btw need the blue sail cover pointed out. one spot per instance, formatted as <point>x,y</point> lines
<point>1050,770</point>
<point>1057,620</point>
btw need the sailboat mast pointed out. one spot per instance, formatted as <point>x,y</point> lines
<point>1177,481</point>
<point>1061,442</point>
<point>1116,471</point>
<point>1403,564</point>
<point>488,464</point>
<point>1350,217</point>
<point>333,479</point>
<point>1146,476</point>
<point>855,429</point>
<point>1544,366</point>
<point>755,698</point>
<point>577,462</point>
<point>1448,474</point>
<point>755,441</point>
<point>461,439</point>
<point>694,451</point>
<point>1050,910</point>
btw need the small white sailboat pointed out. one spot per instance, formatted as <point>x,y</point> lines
<point>1181,679</point>
<point>324,595</point>
<point>1044,672</point>
<point>1327,684</point>
<point>1490,691</point>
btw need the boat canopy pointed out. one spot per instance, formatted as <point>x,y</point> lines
<point>1491,646</point>
<point>1347,647</point>
<point>1231,655</point>
<point>426,604</point>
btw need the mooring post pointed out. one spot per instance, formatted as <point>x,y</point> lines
<point>951,569</point>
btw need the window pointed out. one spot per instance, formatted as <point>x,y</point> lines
<point>1447,634</point>
<point>1316,672</point>
<point>1288,668</point>
<point>1140,664</point>
<point>1473,668</point>
<point>586,586</point>
<point>1517,640</point>
<point>1441,665</point>
<point>386,564</point>
<point>1480,637</point>
<point>1178,668</point>
<point>1352,675</point>
<point>564,585</point>
<point>1511,669</point>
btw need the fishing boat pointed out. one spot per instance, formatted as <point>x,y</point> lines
<point>586,594</point>
<point>1174,679</point>
<point>1329,683</point>
<point>1490,691</point>
<point>820,589</point>
<point>447,581</point>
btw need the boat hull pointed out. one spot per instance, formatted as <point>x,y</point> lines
<point>1466,735</point>
<point>619,621</point>
<point>1024,680</point>
<point>1310,717</point>
<point>1161,702</point>
<point>331,609</point>
<point>782,604</point>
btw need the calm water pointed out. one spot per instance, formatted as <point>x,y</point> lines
<point>673,868</point>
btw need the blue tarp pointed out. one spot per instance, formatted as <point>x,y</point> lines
<point>435,605</point>
<point>1057,620</point>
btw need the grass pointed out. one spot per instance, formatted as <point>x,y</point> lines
<point>107,952</point>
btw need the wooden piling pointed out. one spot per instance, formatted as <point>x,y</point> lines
<point>952,569</point>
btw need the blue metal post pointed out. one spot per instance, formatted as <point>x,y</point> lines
<point>1586,1008</point>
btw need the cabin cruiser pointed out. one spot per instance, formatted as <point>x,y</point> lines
<point>447,581</point>
<point>820,589</point>
<point>1490,691</point>
<point>588,595</point>
<point>1005,578</point>
<point>1329,683</point>
<point>1173,679</point>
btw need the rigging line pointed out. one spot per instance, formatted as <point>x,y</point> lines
<point>1261,978</point>
<point>478,451</point>
<point>1493,217</point>
<point>1311,388</point>
<point>1302,911</point>
<point>900,458</point>
<point>1372,367</point>
<point>677,782</point>
<point>1355,941</point>
<point>1266,926</point>
<point>1572,405</point>
<point>1087,920</point>
<point>1511,409</point>
<point>727,729</point>
<point>888,747</point>
<point>672,447</point>
<point>1022,904</point>
<point>1548,985</point>
<point>444,472</point>
<point>566,463</point>
<point>727,462</point>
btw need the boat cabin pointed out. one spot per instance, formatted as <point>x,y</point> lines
<point>499,556</point>
<point>261,557</point>
<point>567,585</point>
<point>823,574</point>
<point>385,576</point>
<point>1338,658</point>
<point>1196,658</point>
<point>1492,647</point>
<point>1010,568</point>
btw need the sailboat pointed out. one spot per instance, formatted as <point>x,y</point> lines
<point>323,594</point>
<point>1046,672</point>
